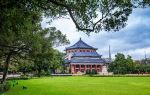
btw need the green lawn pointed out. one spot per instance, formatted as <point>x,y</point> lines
<point>83,86</point>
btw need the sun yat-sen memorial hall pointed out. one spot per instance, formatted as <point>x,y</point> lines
<point>81,57</point>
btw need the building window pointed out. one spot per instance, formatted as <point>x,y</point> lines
<point>83,50</point>
<point>93,66</point>
<point>88,66</point>
<point>80,50</point>
<point>98,66</point>
<point>82,66</point>
<point>77,66</point>
<point>88,51</point>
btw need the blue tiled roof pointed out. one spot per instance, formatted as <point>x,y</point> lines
<point>107,60</point>
<point>92,54</point>
<point>67,61</point>
<point>80,45</point>
<point>87,60</point>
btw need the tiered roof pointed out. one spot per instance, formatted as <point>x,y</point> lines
<point>84,57</point>
<point>80,45</point>
<point>85,54</point>
<point>87,60</point>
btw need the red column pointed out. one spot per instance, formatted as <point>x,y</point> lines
<point>74,68</point>
<point>96,68</point>
<point>80,68</point>
<point>84,68</point>
<point>71,68</point>
<point>90,67</point>
<point>100,68</point>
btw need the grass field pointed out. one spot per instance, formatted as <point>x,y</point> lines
<point>83,86</point>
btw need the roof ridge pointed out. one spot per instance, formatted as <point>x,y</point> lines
<point>80,44</point>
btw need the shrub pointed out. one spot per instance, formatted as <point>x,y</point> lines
<point>24,77</point>
<point>88,71</point>
<point>93,72</point>
<point>48,73</point>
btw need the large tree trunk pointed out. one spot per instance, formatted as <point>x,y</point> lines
<point>6,65</point>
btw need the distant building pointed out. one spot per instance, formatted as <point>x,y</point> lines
<point>145,61</point>
<point>82,57</point>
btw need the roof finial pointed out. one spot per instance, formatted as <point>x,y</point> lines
<point>80,38</point>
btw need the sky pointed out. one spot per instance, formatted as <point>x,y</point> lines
<point>132,40</point>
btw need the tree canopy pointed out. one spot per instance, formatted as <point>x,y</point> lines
<point>90,15</point>
<point>122,65</point>
<point>21,34</point>
<point>87,15</point>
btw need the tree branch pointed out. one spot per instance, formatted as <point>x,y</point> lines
<point>71,15</point>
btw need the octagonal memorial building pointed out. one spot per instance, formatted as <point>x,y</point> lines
<point>82,57</point>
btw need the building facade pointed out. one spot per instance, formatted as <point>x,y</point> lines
<point>82,57</point>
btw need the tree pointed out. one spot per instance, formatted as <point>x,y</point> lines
<point>57,61</point>
<point>87,15</point>
<point>90,15</point>
<point>130,64</point>
<point>25,66</point>
<point>118,65</point>
<point>21,32</point>
<point>141,3</point>
<point>143,66</point>
<point>18,31</point>
<point>122,65</point>
<point>47,57</point>
<point>16,45</point>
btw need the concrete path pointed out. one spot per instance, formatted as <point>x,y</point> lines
<point>11,76</point>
